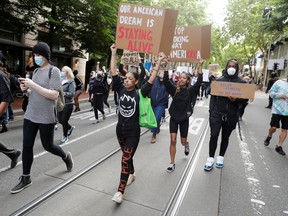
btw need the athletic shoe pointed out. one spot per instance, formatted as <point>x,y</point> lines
<point>68,161</point>
<point>25,181</point>
<point>118,197</point>
<point>104,116</point>
<point>170,168</point>
<point>267,141</point>
<point>96,122</point>
<point>186,149</point>
<point>209,164</point>
<point>220,162</point>
<point>77,110</point>
<point>70,131</point>
<point>131,178</point>
<point>64,139</point>
<point>280,150</point>
<point>14,159</point>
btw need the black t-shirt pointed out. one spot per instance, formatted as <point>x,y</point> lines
<point>129,102</point>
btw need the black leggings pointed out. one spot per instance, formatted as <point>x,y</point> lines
<point>98,104</point>
<point>215,126</point>
<point>3,148</point>
<point>128,138</point>
<point>105,99</point>
<point>30,130</point>
<point>63,118</point>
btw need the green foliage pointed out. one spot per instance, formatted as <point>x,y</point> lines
<point>90,24</point>
<point>278,19</point>
<point>190,12</point>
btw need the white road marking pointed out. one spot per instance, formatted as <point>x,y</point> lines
<point>68,143</point>
<point>251,175</point>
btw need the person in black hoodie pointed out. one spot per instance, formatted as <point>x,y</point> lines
<point>271,81</point>
<point>98,90</point>
<point>128,129</point>
<point>181,109</point>
<point>223,114</point>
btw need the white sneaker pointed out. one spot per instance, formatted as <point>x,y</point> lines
<point>64,139</point>
<point>118,197</point>
<point>220,162</point>
<point>170,168</point>
<point>131,178</point>
<point>209,164</point>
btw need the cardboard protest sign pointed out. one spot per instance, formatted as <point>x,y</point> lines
<point>145,29</point>
<point>191,43</point>
<point>238,90</point>
<point>130,57</point>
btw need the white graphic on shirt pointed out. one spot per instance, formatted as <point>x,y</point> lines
<point>127,106</point>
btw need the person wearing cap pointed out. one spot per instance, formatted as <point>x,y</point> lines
<point>6,98</point>
<point>43,90</point>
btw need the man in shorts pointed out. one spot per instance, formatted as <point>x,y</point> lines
<point>279,94</point>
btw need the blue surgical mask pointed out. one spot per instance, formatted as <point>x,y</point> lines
<point>62,74</point>
<point>39,60</point>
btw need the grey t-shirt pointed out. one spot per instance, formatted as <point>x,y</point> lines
<point>41,109</point>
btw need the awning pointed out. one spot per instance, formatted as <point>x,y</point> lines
<point>15,44</point>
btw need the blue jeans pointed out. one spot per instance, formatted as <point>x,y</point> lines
<point>158,112</point>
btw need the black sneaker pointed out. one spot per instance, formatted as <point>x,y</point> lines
<point>70,131</point>
<point>14,160</point>
<point>267,141</point>
<point>25,181</point>
<point>280,150</point>
<point>186,149</point>
<point>69,161</point>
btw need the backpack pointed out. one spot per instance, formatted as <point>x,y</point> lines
<point>60,102</point>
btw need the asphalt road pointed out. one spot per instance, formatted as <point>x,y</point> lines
<point>252,182</point>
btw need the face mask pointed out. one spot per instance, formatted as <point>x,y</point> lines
<point>161,75</point>
<point>62,75</point>
<point>39,60</point>
<point>231,71</point>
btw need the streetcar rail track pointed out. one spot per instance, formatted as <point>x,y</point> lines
<point>180,190</point>
<point>42,198</point>
<point>172,205</point>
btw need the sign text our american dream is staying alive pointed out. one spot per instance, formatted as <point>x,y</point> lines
<point>145,29</point>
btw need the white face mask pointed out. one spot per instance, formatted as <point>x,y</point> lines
<point>161,75</point>
<point>231,71</point>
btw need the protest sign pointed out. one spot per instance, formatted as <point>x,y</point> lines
<point>145,29</point>
<point>130,57</point>
<point>231,89</point>
<point>191,43</point>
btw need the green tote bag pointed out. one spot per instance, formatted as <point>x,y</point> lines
<point>146,115</point>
